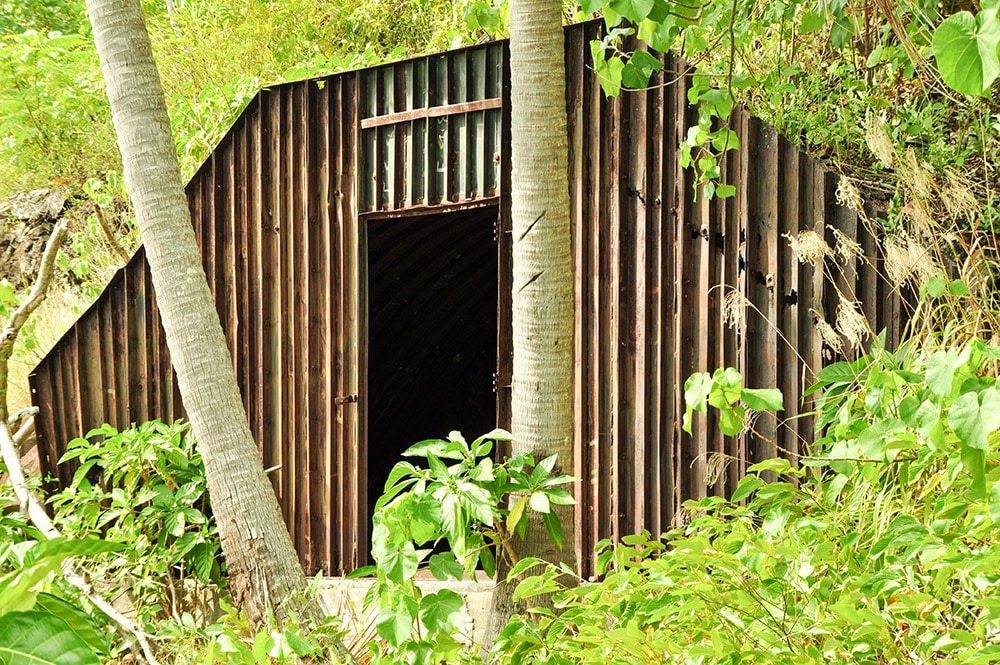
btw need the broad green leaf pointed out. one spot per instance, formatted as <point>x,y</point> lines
<point>958,287</point>
<point>935,286</point>
<point>941,371</point>
<point>811,21</point>
<point>638,69</point>
<point>444,566</point>
<point>763,399</point>
<point>400,563</point>
<point>78,620</point>
<point>394,624</point>
<point>39,638</point>
<point>731,420</point>
<point>696,390</point>
<point>974,416</point>
<point>965,47</point>
<point>633,10</point>
<point>438,610</point>
<point>539,502</point>
<point>974,461</point>
<point>609,71</point>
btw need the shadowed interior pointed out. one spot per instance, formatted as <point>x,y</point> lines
<point>432,332</point>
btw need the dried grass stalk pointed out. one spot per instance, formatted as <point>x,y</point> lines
<point>880,144</point>
<point>827,333</point>
<point>809,247</point>
<point>851,322</point>
<point>734,309</point>
<point>847,195</point>
<point>847,248</point>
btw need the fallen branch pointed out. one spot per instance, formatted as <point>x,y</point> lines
<point>30,504</point>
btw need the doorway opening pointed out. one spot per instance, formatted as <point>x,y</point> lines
<point>432,288</point>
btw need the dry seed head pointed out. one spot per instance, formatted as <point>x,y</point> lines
<point>750,419</point>
<point>809,247</point>
<point>880,144</point>
<point>847,195</point>
<point>957,198</point>
<point>847,248</point>
<point>682,517</point>
<point>920,220</point>
<point>715,466</point>
<point>827,333</point>
<point>920,178</point>
<point>734,308</point>
<point>907,259</point>
<point>851,323</point>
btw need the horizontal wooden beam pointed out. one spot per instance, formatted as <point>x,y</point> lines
<point>432,112</point>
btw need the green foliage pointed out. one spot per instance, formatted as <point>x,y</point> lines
<point>881,547</point>
<point>144,487</point>
<point>724,390</point>
<point>821,72</point>
<point>233,640</point>
<point>458,498</point>
<point>39,627</point>
<point>53,113</point>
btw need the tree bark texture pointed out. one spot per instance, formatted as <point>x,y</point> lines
<point>543,302</point>
<point>263,566</point>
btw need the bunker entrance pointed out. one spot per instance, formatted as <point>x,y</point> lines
<point>432,332</point>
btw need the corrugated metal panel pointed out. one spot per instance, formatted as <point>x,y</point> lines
<point>276,214</point>
<point>430,130</point>
<point>653,264</point>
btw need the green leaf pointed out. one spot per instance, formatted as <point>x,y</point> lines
<point>935,286</point>
<point>554,528</point>
<point>399,563</point>
<point>974,416</point>
<point>731,420</point>
<point>522,566</point>
<point>633,10</point>
<point>539,502</point>
<point>394,624</point>
<point>444,566</point>
<point>438,610</point>
<point>78,620</point>
<point>696,390</point>
<point>957,287</point>
<point>39,638</point>
<point>941,371</point>
<point>516,513</point>
<point>609,71</point>
<point>965,47</point>
<point>811,21</point>
<point>639,69</point>
<point>763,399</point>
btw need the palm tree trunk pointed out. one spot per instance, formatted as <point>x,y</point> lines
<point>263,567</point>
<point>542,390</point>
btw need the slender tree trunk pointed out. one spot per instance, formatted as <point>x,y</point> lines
<point>542,391</point>
<point>263,567</point>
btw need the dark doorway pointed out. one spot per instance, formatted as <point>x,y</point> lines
<point>432,332</point>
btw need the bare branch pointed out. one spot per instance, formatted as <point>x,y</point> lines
<point>109,234</point>
<point>10,331</point>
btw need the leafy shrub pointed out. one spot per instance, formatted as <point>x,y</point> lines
<point>144,487</point>
<point>460,499</point>
<point>880,547</point>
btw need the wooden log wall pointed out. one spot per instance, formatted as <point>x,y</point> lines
<point>277,214</point>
